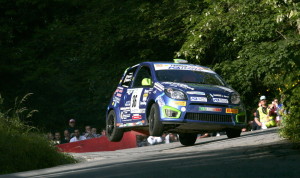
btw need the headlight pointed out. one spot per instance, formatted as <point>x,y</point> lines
<point>235,98</point>
<point>175,94</point>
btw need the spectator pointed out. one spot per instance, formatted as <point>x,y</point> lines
<point>272,114</point>
<point>77,136</point>
<point>103,132</point>
<point>255,123</point>
<point>67,137</point>
<point>50,136</point>
<point>88,132</point>
<point>279,111</point>
<point>94,132</point>
<point>71,127</point>
<point>154,140</point>
<point>171,138</point>
<point>57,138</point>
<point>262,117</point>
<point>141,141</point>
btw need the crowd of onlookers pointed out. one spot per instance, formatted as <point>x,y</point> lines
<point>73,134</point>
<point>264,116</point>
<point>267,115</point>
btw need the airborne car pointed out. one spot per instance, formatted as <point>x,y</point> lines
<point>176,97</point>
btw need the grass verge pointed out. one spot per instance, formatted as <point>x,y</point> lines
<point>22,147</point>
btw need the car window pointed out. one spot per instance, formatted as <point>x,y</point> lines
<point>187,76</point>
<point>128,77</point>
<point>144,72</point>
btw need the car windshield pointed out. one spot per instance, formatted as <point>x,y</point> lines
<point>188,76</point>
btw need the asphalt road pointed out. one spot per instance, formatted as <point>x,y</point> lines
<point>254,154</point>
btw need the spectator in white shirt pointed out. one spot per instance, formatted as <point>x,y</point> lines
<point>77,136</point>
<point>154,140</point>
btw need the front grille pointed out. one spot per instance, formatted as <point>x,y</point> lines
<point>208,117</point>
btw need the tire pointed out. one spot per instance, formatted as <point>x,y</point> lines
<point>233,133</point>
<point>187,139</point>
<point>114,134</point>
<point>155,125</point>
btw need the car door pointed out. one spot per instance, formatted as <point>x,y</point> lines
<point>138,94</point>
<point>124,92</point>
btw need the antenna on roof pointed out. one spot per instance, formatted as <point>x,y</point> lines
<point>180,61</point>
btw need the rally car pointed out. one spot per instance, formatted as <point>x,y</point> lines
<point>175,97</point>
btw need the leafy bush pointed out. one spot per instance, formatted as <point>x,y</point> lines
<point>22,148</point>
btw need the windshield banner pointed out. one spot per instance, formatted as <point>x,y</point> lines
<point>181,67</point>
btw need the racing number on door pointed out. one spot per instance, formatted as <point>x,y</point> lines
<point>134,101</point>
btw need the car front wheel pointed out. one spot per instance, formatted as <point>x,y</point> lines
<point>155,125</point>
<point>114,134</point>
<point>187,139</point>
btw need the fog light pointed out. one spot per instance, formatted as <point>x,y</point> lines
<point>171,112</point>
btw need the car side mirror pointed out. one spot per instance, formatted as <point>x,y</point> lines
<point>146,82</point>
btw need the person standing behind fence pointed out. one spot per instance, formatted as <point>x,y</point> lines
<point>67,137</point>
<point>71,127</point>
<point>77,136</point>
<point>57,138</point>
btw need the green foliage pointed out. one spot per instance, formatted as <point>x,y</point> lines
<point>255,46</point>
<point>72,53</point>
<point>22,148</point>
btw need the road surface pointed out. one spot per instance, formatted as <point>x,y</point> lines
<point>254,154</point>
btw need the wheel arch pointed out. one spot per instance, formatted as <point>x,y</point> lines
<point>150,103</point>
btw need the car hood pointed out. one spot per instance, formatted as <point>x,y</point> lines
<point>200,89</point>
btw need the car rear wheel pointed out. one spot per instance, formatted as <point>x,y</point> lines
<point>233,133</point>
<point>187,139</point>
<point>155,125</point>
<point>114,134</point>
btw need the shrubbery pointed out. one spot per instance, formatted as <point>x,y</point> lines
<point>22,147</point>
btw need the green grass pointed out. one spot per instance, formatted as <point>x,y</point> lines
<point>22,147</point>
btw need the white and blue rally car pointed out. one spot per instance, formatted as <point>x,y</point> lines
<point>176,97</point>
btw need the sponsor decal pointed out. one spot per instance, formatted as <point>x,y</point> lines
<point>220,100</point>
<point>183,109</point>
<point>119,89</point>
<point>127,103</point>
<point>129,91</point>
<point>181,85</point>
<point>119,95</point>
<point>217,95</point>
<point>181,67</point>
<point>136,117</point>
<point>124,115</point>
<point>140,123</point>
<point>128,77</point>
<point>231,110</point>
<point>195,92</point>
<point>116,100</point>
<point>210,109</point>
<point>143,103</point>
<point>202,99</point>
<point>159,86</point>
<point>160,101</point>
<point>145,96</point>
<point>179,103</point>
<point>125,108</point>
